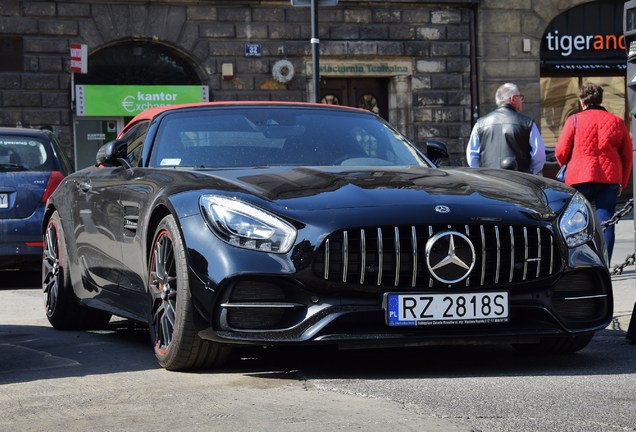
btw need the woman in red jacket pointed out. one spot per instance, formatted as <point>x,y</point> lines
<point>598,150</point>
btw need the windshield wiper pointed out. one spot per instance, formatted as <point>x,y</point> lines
<point>12,167</point>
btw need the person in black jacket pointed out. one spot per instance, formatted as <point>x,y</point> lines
<point>505,138</point>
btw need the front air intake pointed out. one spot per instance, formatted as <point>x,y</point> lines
<point>261,305</point>
<point>580,297</point>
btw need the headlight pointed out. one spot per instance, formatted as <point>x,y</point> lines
<point>576,222</point>
<point>246,226</point>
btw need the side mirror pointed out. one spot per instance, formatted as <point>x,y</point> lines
<point>113,153</point>
<point>436,151</point>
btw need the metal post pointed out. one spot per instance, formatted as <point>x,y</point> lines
<point>630,335</point>
<point>629,32</point>
<point>315,44</point>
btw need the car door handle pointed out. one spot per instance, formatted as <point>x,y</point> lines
<point>84,186</point>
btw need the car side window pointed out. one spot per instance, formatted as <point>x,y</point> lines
<point>135,138</point>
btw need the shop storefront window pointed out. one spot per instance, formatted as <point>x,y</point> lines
<point>584,43</point>
<point>558,101</point>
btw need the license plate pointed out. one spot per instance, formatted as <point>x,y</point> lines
<point>437,309</point>
<point>4,200</point>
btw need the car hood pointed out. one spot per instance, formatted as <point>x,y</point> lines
<point>488,191</point>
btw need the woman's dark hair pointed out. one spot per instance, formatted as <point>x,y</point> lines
<point>590,94</point>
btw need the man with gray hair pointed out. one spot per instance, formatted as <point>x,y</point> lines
<point>505,138</point>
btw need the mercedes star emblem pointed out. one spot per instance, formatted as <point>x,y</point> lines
<point>450,256</point>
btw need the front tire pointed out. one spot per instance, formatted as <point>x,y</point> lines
<point>62,307</point>
<point>176,342</point>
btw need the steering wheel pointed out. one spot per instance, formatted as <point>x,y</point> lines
<point>339,160</point>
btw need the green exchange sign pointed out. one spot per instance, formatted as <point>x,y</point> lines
<point>130,100</point>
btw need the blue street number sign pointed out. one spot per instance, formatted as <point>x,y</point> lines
<point>253,50</point>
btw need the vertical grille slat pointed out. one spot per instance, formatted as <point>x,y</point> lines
<point>380,256</point>
<point>363,256</point>
<point>345,255</point>
<point>467,229</point>
<point>430,234</point>
<point>512,254</point>
<point>397,255</point>
<point>498,254</point>
<point>415,256</point>
<point>525,253</point>
<point>484,257</point>
<point>396,247</point>
<point>326,265</point>
<point>539,244</point>
<point>551,254</point>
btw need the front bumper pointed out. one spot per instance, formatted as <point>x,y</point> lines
<point>254,298</point>
<point>279,311</point>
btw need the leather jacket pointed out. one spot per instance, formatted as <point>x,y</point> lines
<point>503,134</point>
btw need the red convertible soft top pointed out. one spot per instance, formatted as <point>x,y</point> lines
<point>153,112</point>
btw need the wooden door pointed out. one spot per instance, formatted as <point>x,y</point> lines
<point>368,93</point>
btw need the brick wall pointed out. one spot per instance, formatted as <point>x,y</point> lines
<point>436,36</point>
<point>502,26</point>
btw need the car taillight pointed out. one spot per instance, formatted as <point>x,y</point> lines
<point>54,180</point>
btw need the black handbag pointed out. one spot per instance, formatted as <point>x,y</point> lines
<point>560,176</point>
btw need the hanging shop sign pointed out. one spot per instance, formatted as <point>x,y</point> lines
<point>78,58</point>
<point>586,38</point>
<point>130,100</point>
<point>362,68</point>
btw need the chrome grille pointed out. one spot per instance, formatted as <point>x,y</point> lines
<point>394,256</point>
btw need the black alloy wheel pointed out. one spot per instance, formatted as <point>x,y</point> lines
<point>62,307</point>
<point>176,342</point>
<point>51,273</point>
<point>163,291</point>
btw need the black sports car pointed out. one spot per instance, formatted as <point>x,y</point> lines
<point>265,223</point>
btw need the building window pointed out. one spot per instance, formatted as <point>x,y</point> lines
<point>12,54</point>
<point>558,101</point>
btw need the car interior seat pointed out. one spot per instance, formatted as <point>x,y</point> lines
<point>9,156</point>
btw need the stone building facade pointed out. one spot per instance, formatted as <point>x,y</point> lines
<point>433,65</point>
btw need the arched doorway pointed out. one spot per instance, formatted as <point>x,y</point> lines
<point>135,62</point>
<point>122,79</point>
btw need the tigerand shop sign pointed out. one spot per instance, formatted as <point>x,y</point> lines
<point>586,38</point>
<point>130,100</point>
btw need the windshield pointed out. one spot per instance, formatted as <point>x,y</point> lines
<point>273,136</point>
